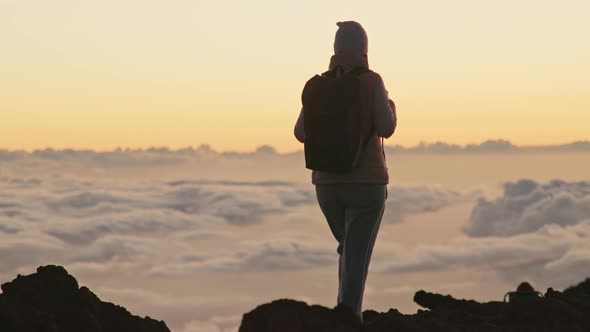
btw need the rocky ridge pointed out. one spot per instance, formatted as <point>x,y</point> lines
<point>567,311</point>
<point>52,301</point>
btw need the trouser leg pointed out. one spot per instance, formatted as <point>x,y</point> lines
<point>354,215</point>
<point>333,211</point>
<point>362,221</point>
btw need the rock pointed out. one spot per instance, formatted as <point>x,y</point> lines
<point>566,311</point>
<point>51,301</point>
<point>292,316</point>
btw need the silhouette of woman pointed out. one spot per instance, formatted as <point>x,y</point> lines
<point>353,202</point>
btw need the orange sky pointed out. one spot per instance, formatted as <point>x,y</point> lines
<point>87,74</point>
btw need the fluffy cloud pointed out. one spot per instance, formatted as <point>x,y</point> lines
<point>119,248</point>
<point>403,200</point>
<point>238,205</point>
<point>138,222</point>
<point>27,249</point>
<point>82,211</point>
<point>534,231</point>
<point>526,206</point>
<point>178,259</point>
<point>554,254</point>
<point>273,255</point>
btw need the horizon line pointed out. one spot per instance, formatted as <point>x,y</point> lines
<point>423,146</point>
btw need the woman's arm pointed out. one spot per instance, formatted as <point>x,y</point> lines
<point>385,120</point>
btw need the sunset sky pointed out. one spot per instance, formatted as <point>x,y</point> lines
<point>136,73</point>
<point>198,238</point>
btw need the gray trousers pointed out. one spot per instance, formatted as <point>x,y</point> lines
<point>354,213</point>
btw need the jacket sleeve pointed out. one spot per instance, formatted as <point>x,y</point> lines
<point>299,129</point>
<point>385,119</point>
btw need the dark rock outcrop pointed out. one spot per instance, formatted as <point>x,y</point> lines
<point>556,311</point>
<point>51,301</point>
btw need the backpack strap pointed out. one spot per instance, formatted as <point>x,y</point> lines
<point>357,71</point>
<point>339,71</point>
<point>333,73</point>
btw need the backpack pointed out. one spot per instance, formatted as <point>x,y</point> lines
<point>332,115</point>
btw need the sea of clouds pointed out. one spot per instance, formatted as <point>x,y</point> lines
<point>125,221</point>
<point>102,214</point>
<point>538,231</point>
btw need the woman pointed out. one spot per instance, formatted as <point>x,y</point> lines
<point>353,202</point>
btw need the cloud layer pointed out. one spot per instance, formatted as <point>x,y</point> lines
<point>161,156</point>
<point>404,200</point>
<point>526,206</point>
<point>553,255</point>
<point>260,256</point>
<point>102,214</point>
<point>534,231</point>
<point>489,146</point>
<point>112,220</point>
